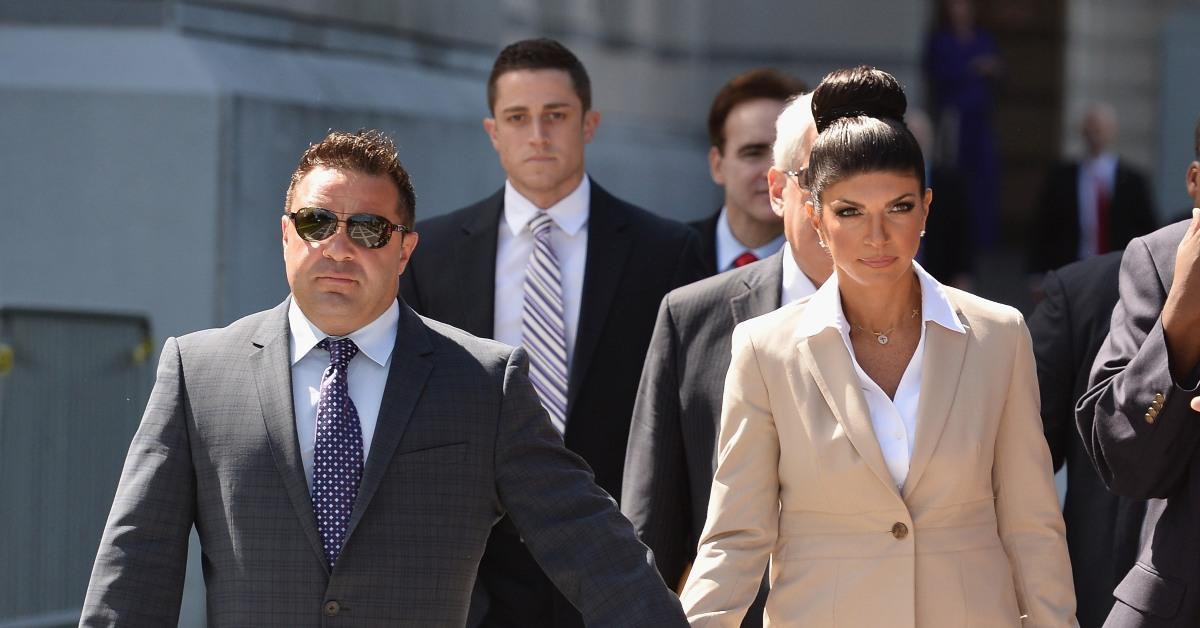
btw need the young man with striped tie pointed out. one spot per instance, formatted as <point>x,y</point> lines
<point>554,262</point>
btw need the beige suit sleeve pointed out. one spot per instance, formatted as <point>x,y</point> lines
<point>743,511</point>
<point>1030,522</point>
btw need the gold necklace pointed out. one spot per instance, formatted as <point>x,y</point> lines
<point>882,336</point>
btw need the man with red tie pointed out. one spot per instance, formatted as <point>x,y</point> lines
<point>741,128</point>
<point>1094,205</point>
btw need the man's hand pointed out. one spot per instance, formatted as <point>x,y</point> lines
<point>1196,404</point>
<point>1181,312</point>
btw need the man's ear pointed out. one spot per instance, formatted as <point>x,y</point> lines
<point>591,120</point>
<point>1193,182</point>
<point>714,165</point>
<point>409,244</point>
<point>489,127</point>
<point>777,180</point>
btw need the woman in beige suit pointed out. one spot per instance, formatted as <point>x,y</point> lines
<point>880,441</point>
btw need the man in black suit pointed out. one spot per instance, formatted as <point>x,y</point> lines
<point>1091,206</point>
<point>741,128</point>
<point>1068,326</point>
<point>555,263</point>
<point>671,457</point>
<point>1140,418</point>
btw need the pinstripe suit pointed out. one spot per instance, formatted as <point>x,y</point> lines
<point>461,440</point>
<point>670,458</point>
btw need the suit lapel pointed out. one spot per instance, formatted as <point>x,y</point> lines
<point>406,378</point>
<point>271,361</point>
<point>826,358</point>
<point>707,228</point>
<point>475,267</point>
<point>763,289</point>
<point>945,351</point>
<point>608,247</point>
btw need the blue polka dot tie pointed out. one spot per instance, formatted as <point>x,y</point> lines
<point>338,458</point>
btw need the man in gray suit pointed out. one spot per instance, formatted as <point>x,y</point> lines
<point>670,459</point>
<point>1140,419</point>
<point>343,459</point>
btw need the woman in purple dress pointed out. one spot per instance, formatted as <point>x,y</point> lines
<point>961,66</point>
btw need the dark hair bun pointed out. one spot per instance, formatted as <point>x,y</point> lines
<point>861,91</point>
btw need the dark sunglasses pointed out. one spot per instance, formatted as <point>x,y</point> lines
<point>366,230</point>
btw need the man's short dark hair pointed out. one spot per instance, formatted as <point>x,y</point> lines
<point>540,54</point>
<point>761,83</point>
<point>368,152</point>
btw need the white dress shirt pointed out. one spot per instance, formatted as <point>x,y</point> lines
<point>796,285</point>
<point>894,421</point>
<point>1100,170</point>
<point>366,376</point>
<point>514,244</point>
<point>729,248</point>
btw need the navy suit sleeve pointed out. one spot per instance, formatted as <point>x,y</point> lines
<point>1051,327</point>
<point>655,494</point>
<point>137,579</point>
<point>571,526</point>
<point>1135,456</point>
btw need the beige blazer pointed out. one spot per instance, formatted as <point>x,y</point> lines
<point>973,538</point>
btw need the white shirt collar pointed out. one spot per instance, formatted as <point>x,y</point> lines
<point>824,309</point>
<point>796,285</point>
<point>375,339</point>
<point>729,248</point>
<point>570,214</point>
<point>1103,165</point>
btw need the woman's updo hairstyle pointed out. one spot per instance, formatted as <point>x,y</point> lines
<point>860,118</point>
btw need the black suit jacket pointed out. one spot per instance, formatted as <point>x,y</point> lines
<point>946,250</point>
<point>1056,220</point>
<point>1144,439</point>
<point>633,259</point>
<point>1068,327</point>
<point>671,457</point>
<point>707,230</point>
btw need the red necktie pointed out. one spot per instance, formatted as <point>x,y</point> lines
<point>1102,206</point>
<point>745,258</point>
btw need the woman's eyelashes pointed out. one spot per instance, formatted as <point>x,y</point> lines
<point>849,212</point>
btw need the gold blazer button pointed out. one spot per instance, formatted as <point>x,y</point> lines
<point>899,530</point>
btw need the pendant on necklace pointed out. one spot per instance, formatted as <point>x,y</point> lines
<point>882,338</point>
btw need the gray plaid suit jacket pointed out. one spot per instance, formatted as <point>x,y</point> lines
<point>461,440</point>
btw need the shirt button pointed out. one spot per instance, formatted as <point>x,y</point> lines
<point>332,608</point>
<point>899,530</point>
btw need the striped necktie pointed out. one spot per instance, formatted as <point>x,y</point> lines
<point>543,331</point>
